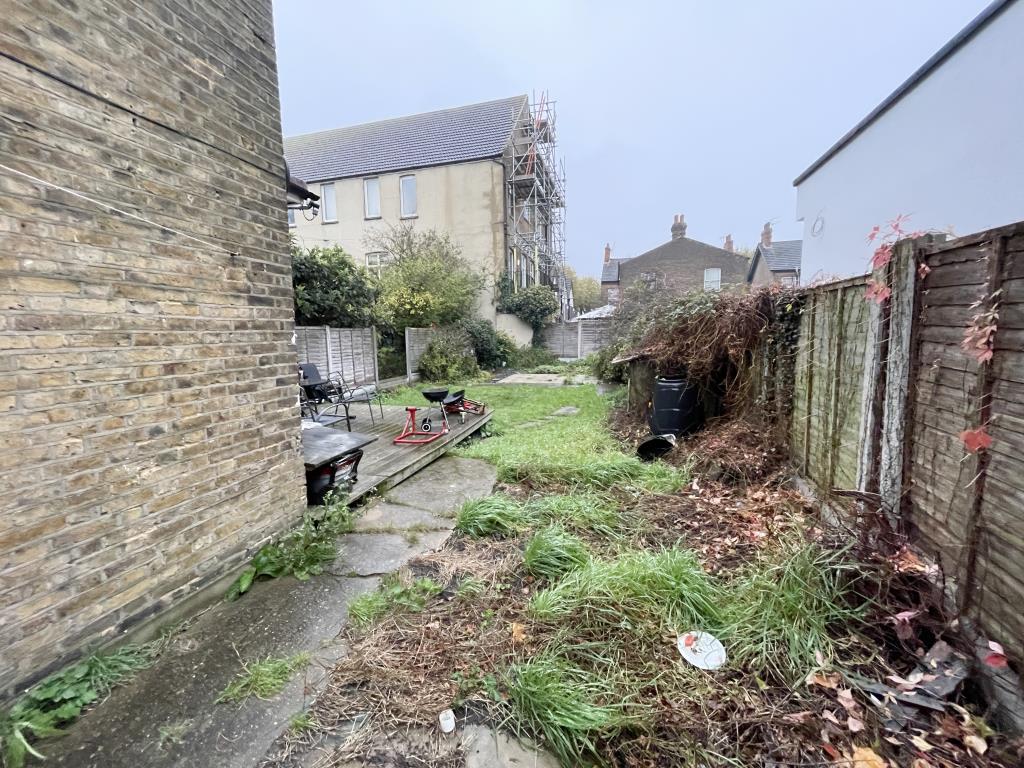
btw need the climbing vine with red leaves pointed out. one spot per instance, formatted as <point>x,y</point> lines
<point>978,343</point>
<point>878,289</point>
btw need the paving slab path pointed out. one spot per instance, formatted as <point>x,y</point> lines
<point>167,715</point>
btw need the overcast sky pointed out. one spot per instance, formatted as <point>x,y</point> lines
<point>709,109</point>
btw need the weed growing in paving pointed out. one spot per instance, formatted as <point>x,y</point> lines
<point>393,595</point>
<point>262,679</point>
<point>300,722</point>
<point>61,698</point>
<point>173,733</point>
<point>493,516</point>
<point>554,551</point>
<point>303,551</point>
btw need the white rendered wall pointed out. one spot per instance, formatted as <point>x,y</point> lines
<point>950,153</point>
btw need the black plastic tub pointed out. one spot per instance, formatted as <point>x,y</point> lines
<point>676,407</point>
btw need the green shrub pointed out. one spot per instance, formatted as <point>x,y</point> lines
<point>535,306</point>
<point>531,358</point>
<point>426,282</point>
<point>493,349</point>
<point>601,366</point>
<point>330,289</point>
<point>448,357</point>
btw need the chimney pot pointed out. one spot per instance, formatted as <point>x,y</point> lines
<point>728,244</point>
<point>607,252</point>
<point>678,227</point>
<point>766,235</point>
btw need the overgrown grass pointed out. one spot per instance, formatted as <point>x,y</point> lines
<point>639,590</point>
<point>392,596</point>
<point>493,516</point>
<point>575,450</point>
<point>61,697</point>
<point>781,608</point>
<point>569,705</point>
<point>553,551</point>
<point>263,679</point>
<point>585,511</point>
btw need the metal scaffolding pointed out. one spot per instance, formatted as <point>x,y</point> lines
<point>535,201</point>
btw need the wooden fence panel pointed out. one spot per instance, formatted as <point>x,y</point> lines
<point>967,509</point>
<point>562,339</point>
<point>346,351</point>
<point>416,342</point>
<point>594,333</point>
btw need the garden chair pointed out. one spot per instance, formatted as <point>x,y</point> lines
<point>325,414</point>
<point>362,393</point>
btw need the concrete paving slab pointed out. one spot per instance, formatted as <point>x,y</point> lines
<point>373,554</point>
<point>486,748</point>
<point>445,485</point>
<point>566,410</point>
<point>384,515</point>
<point>176,695</point>
<point>543,379</point>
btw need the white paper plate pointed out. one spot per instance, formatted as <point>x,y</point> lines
<point>701,649</point>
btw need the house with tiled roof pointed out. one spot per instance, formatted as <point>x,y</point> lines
<point>775,261</point>
<point>485,174</point>
<point>680,265</point>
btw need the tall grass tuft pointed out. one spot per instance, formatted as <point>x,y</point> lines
<point>781,608</point>
<point>635,590</point>
<point>585,511</point>
<point>569,705</point>
<point>554,551</point>
<point>493,516</point>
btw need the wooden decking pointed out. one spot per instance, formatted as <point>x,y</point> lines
<point>385,464</point>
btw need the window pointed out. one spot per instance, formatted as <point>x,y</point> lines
<point>291,217</point>
<point>407,187</point>
<point>377,260</point>
<point>371,198</point>
<point>712,279</point>
<point>328,204</point>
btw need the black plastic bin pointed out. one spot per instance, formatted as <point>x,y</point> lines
<point>676,407</point>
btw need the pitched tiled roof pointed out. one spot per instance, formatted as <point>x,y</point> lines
<point>610,271</point>
<point>456,135</point>
<point>782,255</point>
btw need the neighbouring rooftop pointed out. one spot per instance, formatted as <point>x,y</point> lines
<point>456,135</point>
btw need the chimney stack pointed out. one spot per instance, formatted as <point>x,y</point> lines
<point>766,235</point>
<point>728,244</point>
<point>607,252</point>
<point>678,227</point>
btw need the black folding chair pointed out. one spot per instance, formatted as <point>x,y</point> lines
<point>318,401</point>
<point>363,393</point>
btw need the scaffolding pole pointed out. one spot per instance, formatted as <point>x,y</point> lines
<point>535,202</point>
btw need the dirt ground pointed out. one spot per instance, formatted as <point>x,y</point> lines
<point>896,691</point>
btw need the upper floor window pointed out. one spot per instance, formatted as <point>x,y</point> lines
<point>328,204</point>
<point>291,217</point>
<point>377,260</point>
<point>371,198</point>
<point>407,188</point>
<point>712,279</point>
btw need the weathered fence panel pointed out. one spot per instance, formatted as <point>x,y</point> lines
<point>578,338</point>
<point>829,384</point>
<point>967,509</point>
<point>562,339</point>
<point>416,342</point>
<point>351,352</point>
<point>882,397</point>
